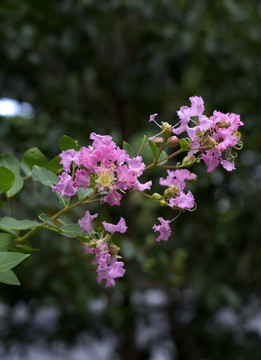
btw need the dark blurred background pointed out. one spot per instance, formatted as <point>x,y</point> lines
<point>105,66</point>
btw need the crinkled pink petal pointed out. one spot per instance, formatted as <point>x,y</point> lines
<point>86,222</point>
<point>120,227</point>
<point>99,140</point>
<point>69,156</point>
<point>183,201</point>
<point>142,187</point>
<point>82,178</point>
<point>229,166</point>
<point>177,178</point>
<point>211,160</point>
<point>87,159</point>
<point>136,165</point>
<point>65,186</point>
<point>163,228</point>
<point>113,198</point>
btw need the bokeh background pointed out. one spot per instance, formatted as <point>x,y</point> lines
<point>79,66</point>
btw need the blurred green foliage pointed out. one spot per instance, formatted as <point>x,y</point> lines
<point>105,66</point>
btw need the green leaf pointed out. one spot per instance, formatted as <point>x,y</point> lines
<point>154,149</point>
<point>48,221</point>
<point>71,229</point>
<point>18,185</point>
<point>25,248</point>
<point>162,156</point>
<point>84,192</point>
<point>66,143</point>
<point>6,241</point>
<point>7,178</point>
<point>8,260</point>
<point>44,176</point>
<point>33,157</point>
<point>9,277</point>
<point>184,143</point>
<point>129,149</point>
<point>10,162</point>
<point>14,224</point>
<point>54,165</point>
<point>62,199</point>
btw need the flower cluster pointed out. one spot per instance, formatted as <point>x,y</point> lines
<point>102,166</point>
<point>110,172</point>
<point>212,136</point>
<point>106,253</point>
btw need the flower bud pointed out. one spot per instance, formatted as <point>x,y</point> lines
<point>189,160</point>
<point>163,203</point>
<point>158,141</point>
<point>171,191</point>
<point>224,124</point>
<point>209,143</point>
<point>113,250</point>
<point>156,196</point>
<point>173,141</point>
<point>167,129</point>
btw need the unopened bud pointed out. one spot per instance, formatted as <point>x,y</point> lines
<point>209,143</point>
<point>224,124</point>
<point>158,141</point>
<point>173,141</point>
<point>167,129</point>
<point>171,191</point>
<point>189,160</point>
<point>156,196</point>
<point>113,250</point>
<point>163,203</point>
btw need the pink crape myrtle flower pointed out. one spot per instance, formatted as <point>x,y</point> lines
<point>120,227</point>
<point>86,222</point>
<point>65,186</point>
<point>185,113</point>
<point>69,156</point>
<point>163,228</point>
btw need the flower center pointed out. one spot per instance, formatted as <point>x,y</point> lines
<point>106,177</point>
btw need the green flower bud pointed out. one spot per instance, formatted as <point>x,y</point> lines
<point>173,141</point>
<point>158,141</point>
<point>171,191</point>
<point>156,196</point>
<point>163,203</point>
<point>189,160</point>
<point>167,129</point>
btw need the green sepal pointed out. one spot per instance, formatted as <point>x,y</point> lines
<point>67,143</point>
<point>129,149</point>
<point>7,178</point>
<point>184,143</point>
<point>34,156</point>
<point>154,149</point>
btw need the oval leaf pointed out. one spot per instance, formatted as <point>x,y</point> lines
<point>10,162</point>
<point>6,241</point>
<point>71,230</point>
<point>8,260</point>
<point>154,149</point>
<point>129,149</point>
<point>14,224</point>
<point>7,178</point>
<point>33,157</point>
<point>18,185</point>
<point>44,176</point>
<point>9,277</point>
<point>66,143</point>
